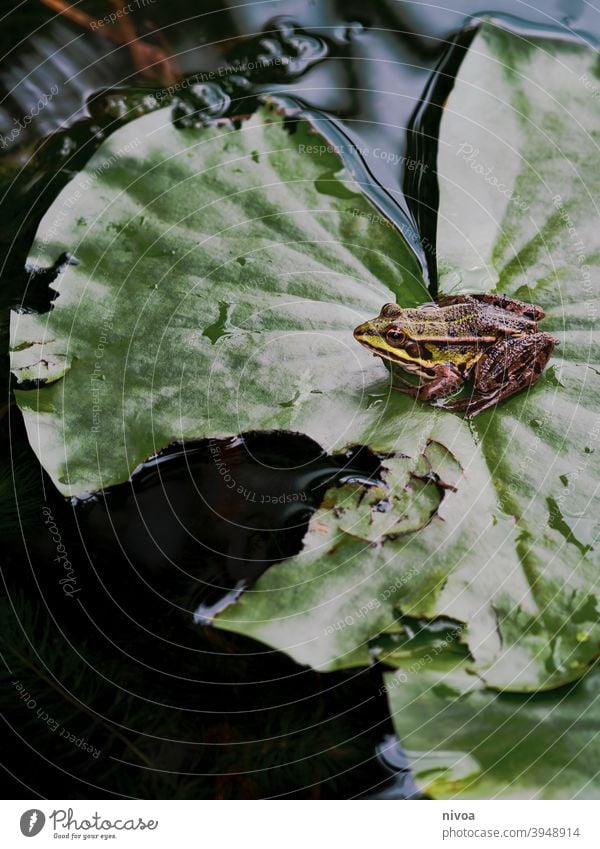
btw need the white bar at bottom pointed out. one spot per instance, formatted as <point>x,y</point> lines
<point>301,824</point>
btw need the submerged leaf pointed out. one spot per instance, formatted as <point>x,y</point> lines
<point>474,743</point>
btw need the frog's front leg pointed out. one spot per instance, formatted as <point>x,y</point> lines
<point>505,369</point>
<point>446,379</point>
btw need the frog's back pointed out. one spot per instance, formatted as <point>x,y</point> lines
<point>470,319</point>
<point>452,321</point>
<point>492,318</point>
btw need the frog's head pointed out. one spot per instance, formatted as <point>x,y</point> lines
<point>394,336</point>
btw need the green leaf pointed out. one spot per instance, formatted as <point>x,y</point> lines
<point>468,741</point>
<point>219,276</point>
<point>517,175</point>
<point>526,109</point>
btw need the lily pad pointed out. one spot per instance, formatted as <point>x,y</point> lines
<point>466,741</point>
<point>215,291</point>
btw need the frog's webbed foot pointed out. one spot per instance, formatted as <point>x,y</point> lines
<point>477,403</point>
<point>509,367</point>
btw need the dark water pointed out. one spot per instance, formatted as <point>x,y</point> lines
<point>158,556</point>
<point>212,515</point>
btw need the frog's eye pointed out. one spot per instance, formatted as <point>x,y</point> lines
<point>396,338</point>
<point>390,310</point>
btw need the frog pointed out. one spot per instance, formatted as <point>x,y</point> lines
<point>489,339</point>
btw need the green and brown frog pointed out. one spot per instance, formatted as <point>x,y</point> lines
<point>489,339</point>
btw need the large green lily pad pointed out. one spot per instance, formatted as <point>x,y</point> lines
<point>220,275</point>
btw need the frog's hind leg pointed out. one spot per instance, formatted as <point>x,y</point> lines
<point>530,311</point>
<point>509,367</point>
